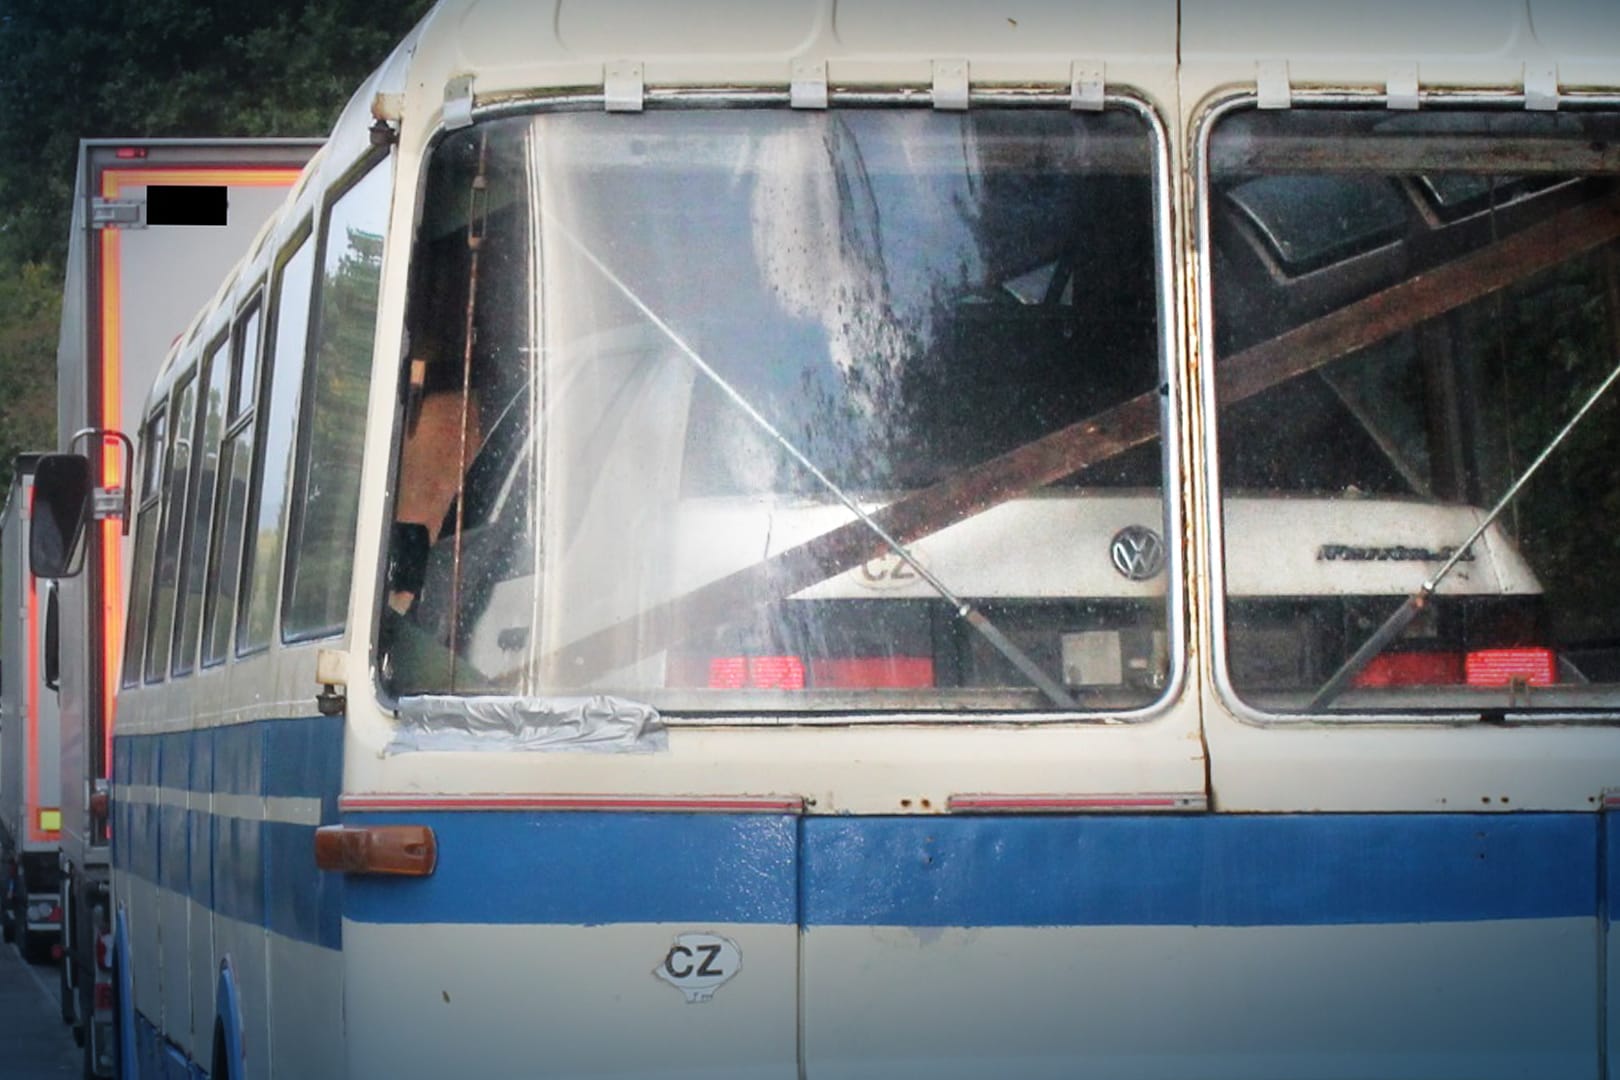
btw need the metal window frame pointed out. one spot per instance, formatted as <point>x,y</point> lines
<point>1206,119</point>
<point>1168,311</point>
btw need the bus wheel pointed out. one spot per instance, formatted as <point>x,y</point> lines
<point>222,1055</point>
<point>35,948</point>
<point>65,990</point>
<point>88,1066</point>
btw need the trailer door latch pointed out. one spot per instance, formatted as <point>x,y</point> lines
<point>117,214</point>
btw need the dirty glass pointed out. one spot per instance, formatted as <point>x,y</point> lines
<point>161,627</point>
<point>235,472</point>
<point>659,365</point>
<point>261,555</point>
<point>1390,367</point>
<point>321,554</point>
<point>205,474</point>
<point>154,448</point>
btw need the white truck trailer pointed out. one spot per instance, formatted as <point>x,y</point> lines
<point>30,818</point>
<point>157,224</point>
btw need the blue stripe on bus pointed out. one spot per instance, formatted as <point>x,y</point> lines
<point>1609,853</point>
<point>592,868</point>
<point>199,835</point>
<point>1209,870</point>
<point>1311,870</point>
<point>253,871</point>
<point>174,834</point>
<point>586,867</point>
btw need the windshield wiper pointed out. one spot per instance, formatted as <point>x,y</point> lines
<point>1402,616</point>
<point>975,618</point>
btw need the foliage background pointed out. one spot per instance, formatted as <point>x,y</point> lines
<point>75,69</point>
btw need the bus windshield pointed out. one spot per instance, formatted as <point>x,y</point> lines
<point>652,356</point>
<point>1414,312</point>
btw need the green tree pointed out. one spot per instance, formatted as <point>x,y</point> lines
<point>72,69</point>
<point>30,307</point>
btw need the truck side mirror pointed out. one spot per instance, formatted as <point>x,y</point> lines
<point>62,489</point>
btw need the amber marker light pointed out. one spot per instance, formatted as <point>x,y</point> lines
<point>406,850</point>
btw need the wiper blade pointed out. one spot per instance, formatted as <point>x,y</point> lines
<point>1402,616</point>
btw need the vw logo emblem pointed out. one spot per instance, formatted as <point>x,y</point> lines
<point>1137,552</point>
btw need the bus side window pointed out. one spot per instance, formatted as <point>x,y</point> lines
<point>320,557</point>
<point>278,404</point>
<point>235,468</point>
<point>146,525</point>
<point>216,375</point>
<point>160,616</point>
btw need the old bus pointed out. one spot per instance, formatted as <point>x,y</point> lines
<point>866,540</point>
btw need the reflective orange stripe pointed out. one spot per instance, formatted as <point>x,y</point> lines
<point>113,182</point>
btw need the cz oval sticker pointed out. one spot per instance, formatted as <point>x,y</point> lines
<point>698,964</point>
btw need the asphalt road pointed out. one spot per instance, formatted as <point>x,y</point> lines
<point>34,1043</point>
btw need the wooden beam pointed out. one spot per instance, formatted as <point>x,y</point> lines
<point>1094,439</point>
<point>1414,154</point>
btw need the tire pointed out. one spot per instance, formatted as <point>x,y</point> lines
<point>35,948</point>
<point>65,989</point>
<point>222,1056</point>
<point>88,1060</point>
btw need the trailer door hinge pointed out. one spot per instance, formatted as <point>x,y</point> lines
<point>117,213</point>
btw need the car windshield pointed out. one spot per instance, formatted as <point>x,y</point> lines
<point>660,365</point>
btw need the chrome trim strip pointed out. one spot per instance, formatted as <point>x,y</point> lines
<point>389,802</point>
<point>1173,802</point>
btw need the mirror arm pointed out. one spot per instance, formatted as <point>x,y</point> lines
<point>102,496</point>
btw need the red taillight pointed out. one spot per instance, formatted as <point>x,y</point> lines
<point>1501,667</point>
<point>756,673</point>
<point>1413,669</point>
<point>1531,666</point>
<point>824,673</point>
<point>104,998</point>
<point>873,673</point>
<point>56,914</point>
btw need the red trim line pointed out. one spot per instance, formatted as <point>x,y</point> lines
<point>748,804</point>
<point>1060,803</point>
<point>1611,800</point>
<point>114,179</point>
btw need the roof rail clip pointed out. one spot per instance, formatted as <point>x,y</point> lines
<point>1401,85</point>
<point>1541,87</point>
<point>808,86</point>
<point>458,102</point>
<point>1271,85</point>
<point>622,87</point>
<point>951,85</point>
<point>1087,85</point>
